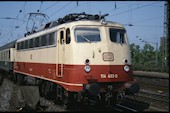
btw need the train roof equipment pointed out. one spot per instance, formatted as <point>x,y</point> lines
<point>70,18</point>
<point>80,16</point>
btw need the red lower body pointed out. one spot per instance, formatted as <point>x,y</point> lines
<point>74,76</point>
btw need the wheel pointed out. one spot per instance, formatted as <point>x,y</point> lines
<point>43,89</point>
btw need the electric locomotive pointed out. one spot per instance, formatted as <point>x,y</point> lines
<point>80,56</point>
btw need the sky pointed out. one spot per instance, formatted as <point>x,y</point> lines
<point>146,17</point>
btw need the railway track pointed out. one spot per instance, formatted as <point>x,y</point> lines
<point>122,108</point>
<point>9,88</point>
<point>150,95</point>
<point>154,99</point>
<point>154,88</point>
<point>154,96</point>
<point>96,108</point>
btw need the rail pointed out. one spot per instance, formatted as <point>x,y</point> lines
<point>154,88</point>
<point>154,96</point>
<point>151,74</point>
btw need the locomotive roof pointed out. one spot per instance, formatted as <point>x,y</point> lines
<point>8,45</point>
<point>71,24</point>
<point>69,19</point>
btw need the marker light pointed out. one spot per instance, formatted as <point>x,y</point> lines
<point>87,61</point>
<point>125,61</point>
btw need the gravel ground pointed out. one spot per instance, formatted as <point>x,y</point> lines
<point>8,95</point>
<point>7,89</point>
<point>8,98</point>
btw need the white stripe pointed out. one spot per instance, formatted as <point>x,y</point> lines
<point>65,83</point>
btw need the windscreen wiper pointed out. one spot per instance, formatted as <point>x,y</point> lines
<point>85,38</point>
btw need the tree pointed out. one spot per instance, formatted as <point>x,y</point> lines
<point>145,58</point>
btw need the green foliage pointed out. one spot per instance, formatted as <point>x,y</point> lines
<point>147,59</point>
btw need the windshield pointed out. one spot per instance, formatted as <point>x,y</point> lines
<point>117,35</point>
<point>87,35</point>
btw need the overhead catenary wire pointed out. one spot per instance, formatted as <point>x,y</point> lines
<point>89,7</point>
<point>50,6</point>
<point>40,6</point>
<point>12,30</point>
<point>117,6</point>
<point>148,19</point>
<point>134,9</point>
<point>59,9</point>
<point>21,10</point>
<point>14,22</point>
<point>76,7</point>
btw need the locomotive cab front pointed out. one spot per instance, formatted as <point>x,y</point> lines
<point>101,59</point>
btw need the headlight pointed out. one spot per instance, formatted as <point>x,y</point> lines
<point>87,68</point>
<point>126,68</point>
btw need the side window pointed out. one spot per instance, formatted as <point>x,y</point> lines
<point>31,43</point>
<point>1,55</point>
<point>4,55</point>
<point>26,44</point>
<point>18,46</point>
<point>61,37</point>
<point>37,42</point>
<point>52,38</point>
<point>43,40</point>
<point>9,55</point>
<point>68,37</point>
<point>117,35</point>
<point>22,45</point>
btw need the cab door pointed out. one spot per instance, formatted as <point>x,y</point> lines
<point>60,52</point>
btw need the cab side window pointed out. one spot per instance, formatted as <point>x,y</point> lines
<point>18,46</point>
<point>61,37</point>
<point>52,38</point>
<point>37,41</point>
<point>31,43</point>
<point>117,35</point>
<point>26,44</point>
<point>68,37</point>
<point>44,40</point>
